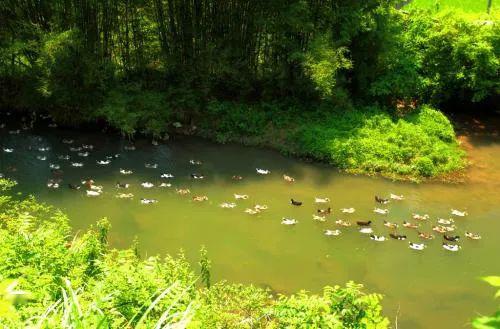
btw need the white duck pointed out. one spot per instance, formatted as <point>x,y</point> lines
<point>41,157</point>
<point>240,196</point>
<point>75,149</point>
<point>319,218</point>
<point>445,221</point>
<point>451,247</point>
<point>124,195</point>
<point>348,210</point>
<point>165,185</point>
<point>260,207</point>
<point>381,211</point>
<point>148,201</point>
<point>103,162</point>
<point>67,141</point>
<point>93,193</point>
<point>126,172</point>
<point>44,149</point>
<point>378,238</point>
<point>166,176</point>
<point>321,200</point>
<point>262,171</point>
<point>151,165</point>
<point>332,232</point>
<point>227,205</point>
<point>366,230</point>
<point>8,150</point>
<point>77,164</point>
<point>458,213</point>
<point>64,157</point>
<point>417,246</point>
<point>288,221</point>
<point>397,197</point>
<point>195,162</point>
<point>54,166</point>
<point>83,154</point>
<point>147,185</point>
<point>252,211</point>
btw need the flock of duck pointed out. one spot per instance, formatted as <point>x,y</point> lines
<point>443,227</point>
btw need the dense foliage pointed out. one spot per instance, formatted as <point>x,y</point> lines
<point>49,279</point>
<point>493,321</point>
<point>141,65</point>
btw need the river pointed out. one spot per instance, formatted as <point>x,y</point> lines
<point>433,288</point>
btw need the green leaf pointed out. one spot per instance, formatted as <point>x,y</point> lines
<point>492,280</point>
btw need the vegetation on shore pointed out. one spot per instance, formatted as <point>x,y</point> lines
<point>329,80</point>
<point>50,279</point>
<point>493,321</point>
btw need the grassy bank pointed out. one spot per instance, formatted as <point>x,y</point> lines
<point>470,6</point>
<point>51,279</point>
<point>415,146</point>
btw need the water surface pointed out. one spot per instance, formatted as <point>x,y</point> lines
<point>429,289</point>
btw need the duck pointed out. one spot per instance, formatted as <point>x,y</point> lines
<point>165,185</point>
<point>458,213</point>
<point>63,157</point>
<point>381,200</point>
<point>41,157</point>
<point>197,176</point>
<point>93,193</point>
<point>166,176</point>
<point>147,185</point>
<point>390,225</point>
<point>88,182</point>
<point>154,142</point>
<point>416,246</point>
<point>83,154</point>
<point>151,165</point>
<point>451,247</point>
<point>450,228</point>
<point>124,195</point>
<point>122,185</point>
<point>332,232</point>
<point>75,149</point>
<point>364,223</point>
<point>420,217</point>
<point>97,188</point>
<point>472,236</point>
<point>8,150</point>
<point>15,132</point>
<point>397,197</point>
<point>439,229</point>
<point>366,230</point>
<point>54,166</point>
<point>240,196</point>
<point>227,205</point>
<point>262,171</point>
<point>426,236</point>
<point>288,179</point>
<point>195,162</point>
<point>103,162</point>
<point>288,221</point>
<point>74,187</point>
<point>397,236</point>
<point>52,125</point>
<point>260,207</point>
<point>200,198</point>
<point>295,202</point>
<point>148,201</point>
<point>129,147</point>
<point>126,172</point>
<point>321,200</point>
<point>114,156</point>
<point>319,218</point>
<point>445,221</point>
<point>326,211</point>
<point>182,191</point>
<point>342,223</point>
<point>451,238</point>
<point>77,164</point>
<point>52,184</point>
<point>378,238</point>
<point>381,211</point>
<point>237,177</point>
<point>252,211</point>
<point>410,225</point>
<point>67,141</point>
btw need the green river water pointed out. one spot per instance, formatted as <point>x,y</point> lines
<point>433,288</point>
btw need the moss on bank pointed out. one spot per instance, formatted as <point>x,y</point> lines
<point>50,279</point>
